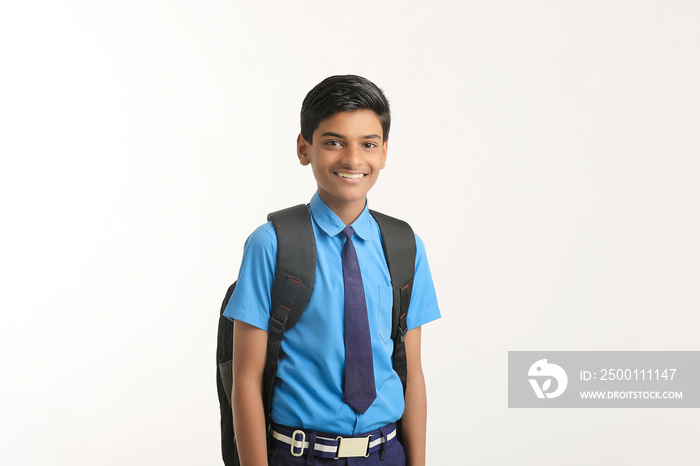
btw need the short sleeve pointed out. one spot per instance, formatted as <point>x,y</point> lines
<point>424,306</point>
<point>250,301</point>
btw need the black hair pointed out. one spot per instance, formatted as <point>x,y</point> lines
<point>344,93</point>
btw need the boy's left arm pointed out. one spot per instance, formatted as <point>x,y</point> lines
<point>415,415</point>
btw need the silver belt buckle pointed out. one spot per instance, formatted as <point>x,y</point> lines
<point>353,447</point>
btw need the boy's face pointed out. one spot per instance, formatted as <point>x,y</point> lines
<point>346,156</point>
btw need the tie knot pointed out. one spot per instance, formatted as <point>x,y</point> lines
<point>348,231</point>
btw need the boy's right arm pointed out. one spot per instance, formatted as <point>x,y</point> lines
<point>249,347</point>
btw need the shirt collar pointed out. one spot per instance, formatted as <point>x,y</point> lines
<point>329,222</point>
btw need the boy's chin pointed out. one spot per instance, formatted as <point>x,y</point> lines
<point>344,197</point>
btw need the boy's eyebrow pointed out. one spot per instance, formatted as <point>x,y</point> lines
<point>340,136</point>
<point>333,135</point>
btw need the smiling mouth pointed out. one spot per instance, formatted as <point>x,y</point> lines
<point>352,176</point>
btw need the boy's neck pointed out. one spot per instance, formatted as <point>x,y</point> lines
<point>347,211</point>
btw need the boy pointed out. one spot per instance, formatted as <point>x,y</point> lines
<point>345,124</point>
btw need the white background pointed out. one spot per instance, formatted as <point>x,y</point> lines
<point>545,151</point>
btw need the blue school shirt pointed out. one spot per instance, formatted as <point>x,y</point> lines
<point>308,392</point>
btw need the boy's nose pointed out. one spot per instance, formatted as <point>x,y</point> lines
<point>352,156</point>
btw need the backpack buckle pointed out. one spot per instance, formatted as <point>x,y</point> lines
<point>403,327</point>
<point>277,326</point>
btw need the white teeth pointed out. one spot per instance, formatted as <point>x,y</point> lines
<point>353,176</point>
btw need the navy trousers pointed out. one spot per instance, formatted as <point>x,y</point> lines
<point>391,455</point>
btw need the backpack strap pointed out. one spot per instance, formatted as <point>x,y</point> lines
<point>399,243</point>
<point>294,278</point>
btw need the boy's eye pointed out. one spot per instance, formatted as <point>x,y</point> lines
<point>332,143</point>
<point>369,145</point>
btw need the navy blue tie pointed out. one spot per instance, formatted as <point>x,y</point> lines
<point>359,369</point>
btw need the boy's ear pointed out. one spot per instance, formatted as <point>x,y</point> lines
<point>303,150</point>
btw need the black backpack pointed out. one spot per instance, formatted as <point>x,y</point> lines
<point>294,278</point>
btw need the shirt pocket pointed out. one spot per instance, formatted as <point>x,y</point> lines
<point>384,312</point>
